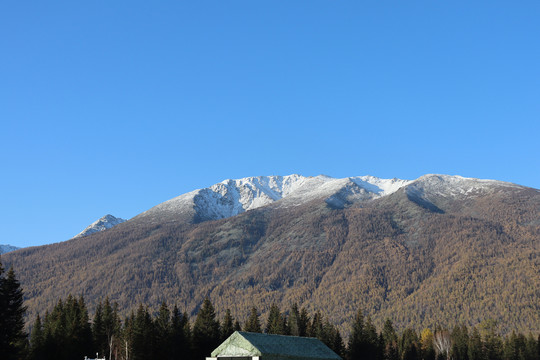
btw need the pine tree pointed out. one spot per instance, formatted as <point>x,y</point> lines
<point>511,350</point>
<point>374,351</point>
<point>37,341</point>
<point>303,322</point>
<point>253,324</point>
<point>276,321</point>
<point>162,333</point>
<point>532,347</point>
<point>84,331</point>
<point>12,335</point>
<point>357,338</point>
<point>332,338</point>
<point>227,327</point>
<point>408,345</point>
<point>492,341</point>
<point>337,344</point>
<point>142,339</point>
<point>112,327</point>
<point>315,327</point>
<point>181,346</point>
<point>206,331</point>
<point>475,348</point>
<point>237,326</point>
<point>460,343</point>
<point>294,321</point>
<point>98,331</point>
<point>389,341</point>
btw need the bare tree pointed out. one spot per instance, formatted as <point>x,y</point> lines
<point>443,343</point>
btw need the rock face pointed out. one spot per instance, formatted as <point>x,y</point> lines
<point>104,223</point>
<point>437,250</point>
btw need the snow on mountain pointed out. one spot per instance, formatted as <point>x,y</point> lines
<point>106,222</point>
<point>456,187</point>
<point>232,197</point>
<point>7,248</point>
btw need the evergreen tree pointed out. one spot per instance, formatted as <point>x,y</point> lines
<point>532,348</point>
<point>460,343</point>
<point>206,331</point>
<point>98,331</point>
<point>276,321</point>
<point>237,326</point>
<point>12,335</point>
<point>315,327</point>
<point>389,341</point>
<point>374,351</point>
<point>162,333</point>
<point>332,338</point>
<point>180,344</point>
<point>84,330</point>
<point>253,324</point>
<point>112,329</point>
<point>37,341</point>
<point>77,334</point>
<point>493,346</point>
<point>142,340</point>
<point>408,345</point>
<point>67,331</point>
<point>303,323</point>
<point>3,314</point>
<point>511,350</point>
<point>128,335</point>
<point>357,339</point>
<point>227,327</point>
<point>294,321</point>
<point>475,348</point>
<point>337,344</point>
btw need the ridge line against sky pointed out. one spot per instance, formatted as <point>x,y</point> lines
<point>114,108</point>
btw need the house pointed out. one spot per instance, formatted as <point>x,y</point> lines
<point>254,346</point>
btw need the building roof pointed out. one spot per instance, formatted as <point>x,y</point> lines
<point>274,347</point>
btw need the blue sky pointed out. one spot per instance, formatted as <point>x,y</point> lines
<point>114,107</point>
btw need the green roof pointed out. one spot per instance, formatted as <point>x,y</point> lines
<point>270,346</point>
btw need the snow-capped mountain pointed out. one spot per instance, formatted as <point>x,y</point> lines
<point>327,241</point>
<point>106,222</point>
<point>456,187</point>
<point>232,197</point>
<point>7,248</point>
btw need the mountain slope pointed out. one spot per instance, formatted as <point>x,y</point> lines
<point>437,250</point>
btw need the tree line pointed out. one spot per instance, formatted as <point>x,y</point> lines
<point>68,332</point>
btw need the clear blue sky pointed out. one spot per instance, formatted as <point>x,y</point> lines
<point>116,106</point>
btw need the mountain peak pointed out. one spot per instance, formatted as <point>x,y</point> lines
<point>7,248</point>
<point>104,223</point>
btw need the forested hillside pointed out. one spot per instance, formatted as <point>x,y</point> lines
<point>421,259</point>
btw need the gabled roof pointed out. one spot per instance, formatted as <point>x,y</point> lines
<point>274,346</point>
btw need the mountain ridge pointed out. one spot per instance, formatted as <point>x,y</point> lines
<point>234,196</point>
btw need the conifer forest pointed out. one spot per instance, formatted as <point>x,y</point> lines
<point>68,331</point>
